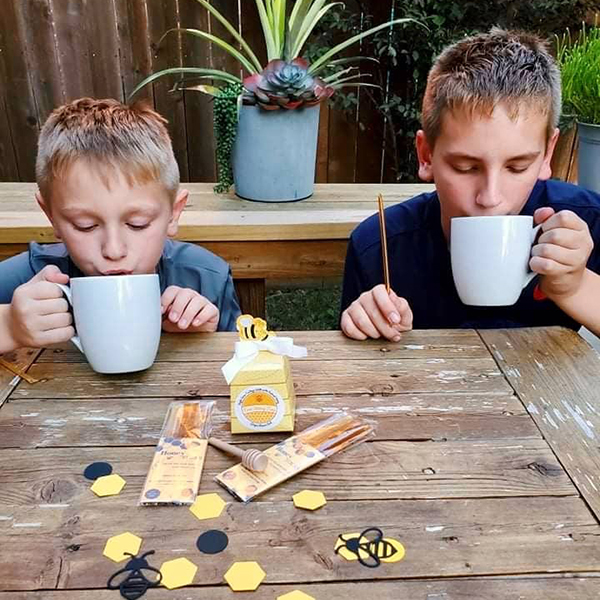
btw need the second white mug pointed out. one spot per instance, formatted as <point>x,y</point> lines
<point>490,258</point>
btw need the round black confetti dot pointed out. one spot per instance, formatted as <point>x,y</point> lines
<point>212,541</point>
<point>97,469</point>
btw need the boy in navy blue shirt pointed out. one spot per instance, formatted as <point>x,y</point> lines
<point>490,115</point>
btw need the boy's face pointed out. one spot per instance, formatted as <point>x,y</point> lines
<point>111,230</point>
<point>486,165</point>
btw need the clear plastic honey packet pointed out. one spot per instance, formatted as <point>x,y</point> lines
<point>174,475</point>
<point>297,453</point>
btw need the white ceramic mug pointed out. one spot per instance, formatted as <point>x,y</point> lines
<point>490,258</point>
<point>117,319</point>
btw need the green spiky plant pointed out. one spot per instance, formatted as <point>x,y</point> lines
<point>579,61</point>
<point>287,81</point>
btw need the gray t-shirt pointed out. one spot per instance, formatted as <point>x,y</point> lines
<point>181,264</point>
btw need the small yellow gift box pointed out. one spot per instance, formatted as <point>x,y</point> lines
<point>262,391</point>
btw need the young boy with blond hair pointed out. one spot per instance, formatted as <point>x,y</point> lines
<point>109,184</point>
<point>490,115</point>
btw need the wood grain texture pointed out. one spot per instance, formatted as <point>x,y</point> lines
<point>443,538</point>
<point>548,587</point>
<point>21,359</point>
<point>557,376</point>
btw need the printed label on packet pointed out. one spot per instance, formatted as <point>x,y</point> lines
<point>175,471</point>
<point>285,460</point>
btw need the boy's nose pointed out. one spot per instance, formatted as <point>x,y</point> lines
<point>489,196</point>
<point>114,249</point>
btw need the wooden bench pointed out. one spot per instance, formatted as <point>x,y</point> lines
<point>298,240</point>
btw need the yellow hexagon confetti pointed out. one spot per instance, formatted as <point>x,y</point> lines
<point>177,573</point>
<point>295,595</point>
<point>117,545</point>
<point>208,506</point>
<point>309,499</point>
<point>244,576</point>
<point>109,485</point>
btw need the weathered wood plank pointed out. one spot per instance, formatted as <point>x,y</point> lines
<point>442,538</point>
<point>397,470</point>
<point>251,296</point>
<point>134,422</point>
<point>557,376</point>
<point>393,376</point>
<point>436,345</point>
<point>21,359</point>
<point>550,587</point>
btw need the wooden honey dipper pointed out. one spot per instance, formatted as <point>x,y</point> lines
<point>252,459</point>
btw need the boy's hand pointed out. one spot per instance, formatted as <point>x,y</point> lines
<point>376,313</point>
<point>185,309</point>
<point>561,253</point>
<point>39,315</point>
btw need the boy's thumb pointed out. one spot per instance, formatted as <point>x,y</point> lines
<point>52,274</point>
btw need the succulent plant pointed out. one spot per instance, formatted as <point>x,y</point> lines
<point>286,85</point>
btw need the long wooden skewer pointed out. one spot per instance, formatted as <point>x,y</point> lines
<point>252,459</point>
<point>384,254</point>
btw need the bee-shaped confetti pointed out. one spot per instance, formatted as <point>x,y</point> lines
<point>252,328</point>
<point>132,581</point>
<point>370,548</point>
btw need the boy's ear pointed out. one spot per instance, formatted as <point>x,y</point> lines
<point>546,168</point>
<point>424,155</point>
<point>46,208</point>
<point>178,206</point>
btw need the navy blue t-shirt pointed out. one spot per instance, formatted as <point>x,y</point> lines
<point>420,268</point>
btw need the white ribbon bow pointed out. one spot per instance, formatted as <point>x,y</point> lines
<point>246,351</point>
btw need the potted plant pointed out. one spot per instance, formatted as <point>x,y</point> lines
<point>579,61</point>
<point>267,123</point>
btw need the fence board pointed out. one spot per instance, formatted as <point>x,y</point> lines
<point>38,34</point>
<point>134,49</point>
<point>198,106</point>
<point>21,110</point>
<point>8,160</point>
<point>162,16</point>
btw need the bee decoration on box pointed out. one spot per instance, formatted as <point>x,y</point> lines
<point>252,328</point>
<point>370,548</point>
<point>133,580</point>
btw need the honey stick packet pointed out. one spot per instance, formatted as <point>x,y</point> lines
<point>174,475</point>
<point>297,453</point>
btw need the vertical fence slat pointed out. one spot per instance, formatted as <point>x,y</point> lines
<point>323,144</point>
<point>46,79</point>
<point>369,147</point>
<point>163,16</point>
<point>103,49</point>
<point>8,160</point>
<point>73,51</point>
<point>134,48</point>
<point>21,111</point>
<point>252,30</point>
<point>198,106</point>
<point>221,59</point>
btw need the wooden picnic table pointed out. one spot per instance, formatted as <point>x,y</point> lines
<point>485,465</point>
<point>292,240</point>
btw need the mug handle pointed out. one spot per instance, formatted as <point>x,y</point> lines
<point>66,290</point>
<point>531,274</point>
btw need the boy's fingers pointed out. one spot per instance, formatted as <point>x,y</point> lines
<point>562,256</point>
<point>168,296</point>
<point>405,311</point>
<point>208,313</point>
<point>52,306</point>
<point>191,312</point>
<point>44,290</point>
<point>565,219</point>
<point>179,305</point>
<point>56,336</point>
<point>360,318</point>
<point>385,305</point>
<point>56,321</point>
<point>542,214</point>
<point>567,238</point>
<point>350,329</point>
<point>52,274</point>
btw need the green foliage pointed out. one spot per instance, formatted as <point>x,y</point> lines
<point>579,61</point>
<point>225,115</point>
<point>406,52</point>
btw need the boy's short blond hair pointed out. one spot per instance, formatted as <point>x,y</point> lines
<point>477,73</point>
<point>108,135</point>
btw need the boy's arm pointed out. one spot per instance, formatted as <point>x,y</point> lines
<point>584,304</point>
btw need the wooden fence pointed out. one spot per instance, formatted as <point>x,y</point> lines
<point>53,51</point>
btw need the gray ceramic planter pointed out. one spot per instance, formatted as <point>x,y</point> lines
<point>274,154</point>
<point>588,159</point>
